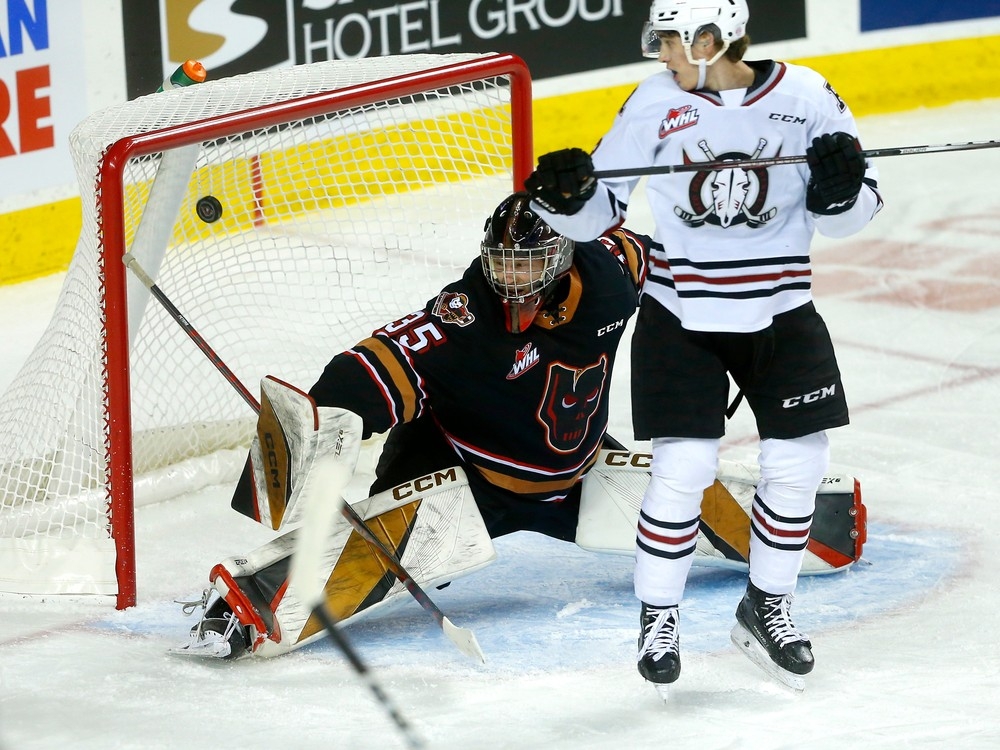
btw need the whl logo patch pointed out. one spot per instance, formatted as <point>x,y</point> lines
<point>524,359</point>
<point>678,119</point>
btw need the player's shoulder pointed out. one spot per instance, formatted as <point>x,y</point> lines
<point>623,249</point>
<point>811,90</point>
<point>802,76</point>
<point>654,91</point>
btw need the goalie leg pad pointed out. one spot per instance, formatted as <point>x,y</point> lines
<point>291,432</point>
<point>612,496</point>
<point>432,524</point>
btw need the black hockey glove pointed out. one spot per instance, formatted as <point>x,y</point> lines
<point>837,168</point>
<point>563,182</point>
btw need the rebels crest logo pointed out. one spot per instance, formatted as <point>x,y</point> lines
<point>726,197</point>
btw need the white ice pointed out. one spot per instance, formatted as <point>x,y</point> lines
<point>907,646</point>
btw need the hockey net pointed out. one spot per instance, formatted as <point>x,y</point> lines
<point>350,192</point>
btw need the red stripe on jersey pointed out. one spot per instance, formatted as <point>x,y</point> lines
<point>745,279</point>
<point>507,461</point>
<point>776,76</point>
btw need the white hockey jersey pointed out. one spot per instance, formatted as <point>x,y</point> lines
<point>735,241</point>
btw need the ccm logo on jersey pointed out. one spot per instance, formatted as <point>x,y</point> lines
<point>609,328</point>
<point>789,403</point>
<point>794,119</point>
<point>678,119</point>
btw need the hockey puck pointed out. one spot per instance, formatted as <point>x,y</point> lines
<point>209,209</point>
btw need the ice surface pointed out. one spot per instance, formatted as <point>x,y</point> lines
<point>906,643</point>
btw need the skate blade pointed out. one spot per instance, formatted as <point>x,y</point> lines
<point>663,691</point>
<point>202,649</point>
<point>751,648</point>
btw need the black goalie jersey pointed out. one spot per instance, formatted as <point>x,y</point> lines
<point>525,412</point>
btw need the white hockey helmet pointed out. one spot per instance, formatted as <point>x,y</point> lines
<point>688,17</point>
<point>522,258</point>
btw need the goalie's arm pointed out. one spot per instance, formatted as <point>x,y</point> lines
<point>374,379</point>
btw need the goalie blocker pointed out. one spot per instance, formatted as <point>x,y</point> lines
<point>433,525</point>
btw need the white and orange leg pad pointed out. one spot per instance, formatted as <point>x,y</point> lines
<point>431,523</point>
<point>612,495</point>
<point>291,433</point>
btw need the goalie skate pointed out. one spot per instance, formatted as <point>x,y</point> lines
<point>218,634</point>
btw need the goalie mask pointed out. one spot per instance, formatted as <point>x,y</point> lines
<point>523,258</point>
<point>690,17</point>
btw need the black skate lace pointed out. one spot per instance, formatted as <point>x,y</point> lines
<point>778,620</point>
<point>660,632</point>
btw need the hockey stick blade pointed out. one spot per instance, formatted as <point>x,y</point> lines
<point>777,161</point>
<point>464,639</point>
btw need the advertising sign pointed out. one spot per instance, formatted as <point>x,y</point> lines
<point>42,92</point>
<point>554,37</point>
<point>890,14</point>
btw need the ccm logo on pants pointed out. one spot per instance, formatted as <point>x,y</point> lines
<point>822,393</point>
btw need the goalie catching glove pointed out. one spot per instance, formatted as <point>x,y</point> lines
<point>563,182</point>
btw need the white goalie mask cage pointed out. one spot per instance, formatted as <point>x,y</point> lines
<point>689,17</point>
<point>522,258</point>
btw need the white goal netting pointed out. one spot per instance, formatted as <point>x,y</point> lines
<point>348,193</point>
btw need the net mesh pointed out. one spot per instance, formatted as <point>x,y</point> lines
<point>329,227</point>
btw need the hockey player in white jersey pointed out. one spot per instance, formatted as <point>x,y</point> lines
<point>728,293</point>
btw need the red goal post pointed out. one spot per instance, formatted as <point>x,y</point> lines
<point>287,214</point>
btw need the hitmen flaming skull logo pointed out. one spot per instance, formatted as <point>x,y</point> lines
<point>571,399</point>
<point>725,197</point>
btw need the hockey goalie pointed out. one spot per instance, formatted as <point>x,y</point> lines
<point>494,399</point>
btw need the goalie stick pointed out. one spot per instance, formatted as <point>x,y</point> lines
<point>324,496</point>
<point>701,166</point>
<point>463,638</point>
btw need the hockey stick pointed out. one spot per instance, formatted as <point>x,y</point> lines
<point>330,478</point>
<point>702,166</point>
<point>141,274</point>
<point>463,638</point>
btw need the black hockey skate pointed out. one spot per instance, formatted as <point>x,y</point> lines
<point>765,633</point>
<point>218,634</point>
<point>659,646</point>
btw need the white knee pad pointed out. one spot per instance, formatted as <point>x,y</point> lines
<point>791,470</point>
<point>681,470</point>
<point>790,473</point>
